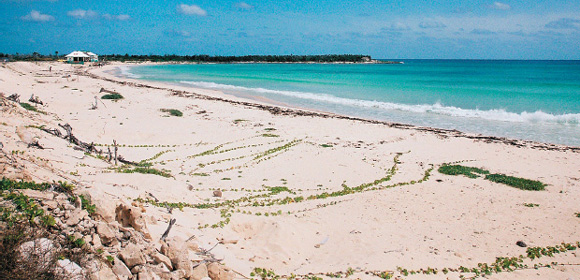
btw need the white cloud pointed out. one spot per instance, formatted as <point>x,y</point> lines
<point>398,26</point>
<point>37,16</point>
<point>82,14</point>
<point>244,5</point>
<point>191,10</point>
<point>500,6</point>
<point>116,17</point>
<point>431,24</point>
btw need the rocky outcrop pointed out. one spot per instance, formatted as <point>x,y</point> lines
<point>123,247</point>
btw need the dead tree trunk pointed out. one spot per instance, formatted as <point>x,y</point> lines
<point>116,148</point>
<point>166,233</point>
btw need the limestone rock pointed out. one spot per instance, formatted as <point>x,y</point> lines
<point>121,270</point>
<point>70,269</point>
<point>106,234</point>
<point>199,272</point>
<point>132,256</point>
<point>217,272</point>
<point>131,216</point>
<point>160,258</point>
<point>41,251</point>
<point>76,216</point>
<point>40,195</point>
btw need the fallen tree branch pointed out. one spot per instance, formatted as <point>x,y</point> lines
<point>166,233</point>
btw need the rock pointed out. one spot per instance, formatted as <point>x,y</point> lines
<point>78,202</point>
<point>173,248</point>
<point>131,216</point>
<point>40,195</point>
<point>199,272</point>
<point>97,241</point>
<point>70,270</point>
<point>217,193</point>
<point>49,204</point>
<point>521,244</point>
<point>160,258</point>
<point>101,271</point>
<point>106,234</point>
<point>217,272</point>
<point>76,216</point>
<point>105,206</point>
<point>121,270</point>
<point>132,256</point>
<point>40,251</point>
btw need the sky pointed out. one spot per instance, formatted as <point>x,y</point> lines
<point>395,29</point>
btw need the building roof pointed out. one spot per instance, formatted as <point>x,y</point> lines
<point>78,54</point>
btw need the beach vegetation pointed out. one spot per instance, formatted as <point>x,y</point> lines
<point>326,145</point>
<point>473,172</point>
<point>577,214</point>
<point>516,182</point>
<point>531,204</point>
<point>143,170</point>
<point>270,135</point>
<point>29,107</point>
<point>172,112</point>
<point>112,96</point>
<point>470,172</point>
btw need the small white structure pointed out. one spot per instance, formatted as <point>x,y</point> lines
<point>81,57</point>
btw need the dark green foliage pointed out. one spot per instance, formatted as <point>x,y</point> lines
<point>173,112</point>
<point>112,96</point>
<point>470,172</point>
<point>326,146</point>
<point>91,208</point>
<point>28,107</point>
<point>329,58</point>
<point>520,183</point>
<point>7,184</point>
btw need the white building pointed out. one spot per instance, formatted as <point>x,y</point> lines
<point>81,57</point>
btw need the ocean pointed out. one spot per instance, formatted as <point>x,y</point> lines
<point>530,100</point>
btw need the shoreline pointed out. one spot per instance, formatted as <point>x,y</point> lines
<point>291,110</point>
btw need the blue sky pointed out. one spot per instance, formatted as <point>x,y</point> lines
<point>396,29</point>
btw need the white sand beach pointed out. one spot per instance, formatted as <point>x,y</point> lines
<point>404,213</point>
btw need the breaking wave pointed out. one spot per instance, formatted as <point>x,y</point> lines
<point>437,108</point>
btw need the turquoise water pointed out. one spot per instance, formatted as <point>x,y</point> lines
<point>531,100</point>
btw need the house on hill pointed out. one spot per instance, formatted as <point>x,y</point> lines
<point>81,57</point>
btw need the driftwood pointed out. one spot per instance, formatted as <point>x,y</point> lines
<point>14,97</point>
<point>35,144</point>
<point>107,91</point>
<point>166,233</point>
<point>123,160</point>
<point>35,99</point>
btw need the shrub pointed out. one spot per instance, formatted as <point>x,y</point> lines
<point>28,107</point>
<point>112,96</point>
<point>173,112</point>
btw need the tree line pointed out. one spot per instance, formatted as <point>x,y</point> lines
<point>326,58</point>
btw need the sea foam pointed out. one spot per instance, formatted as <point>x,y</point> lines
<point>437,108</point>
